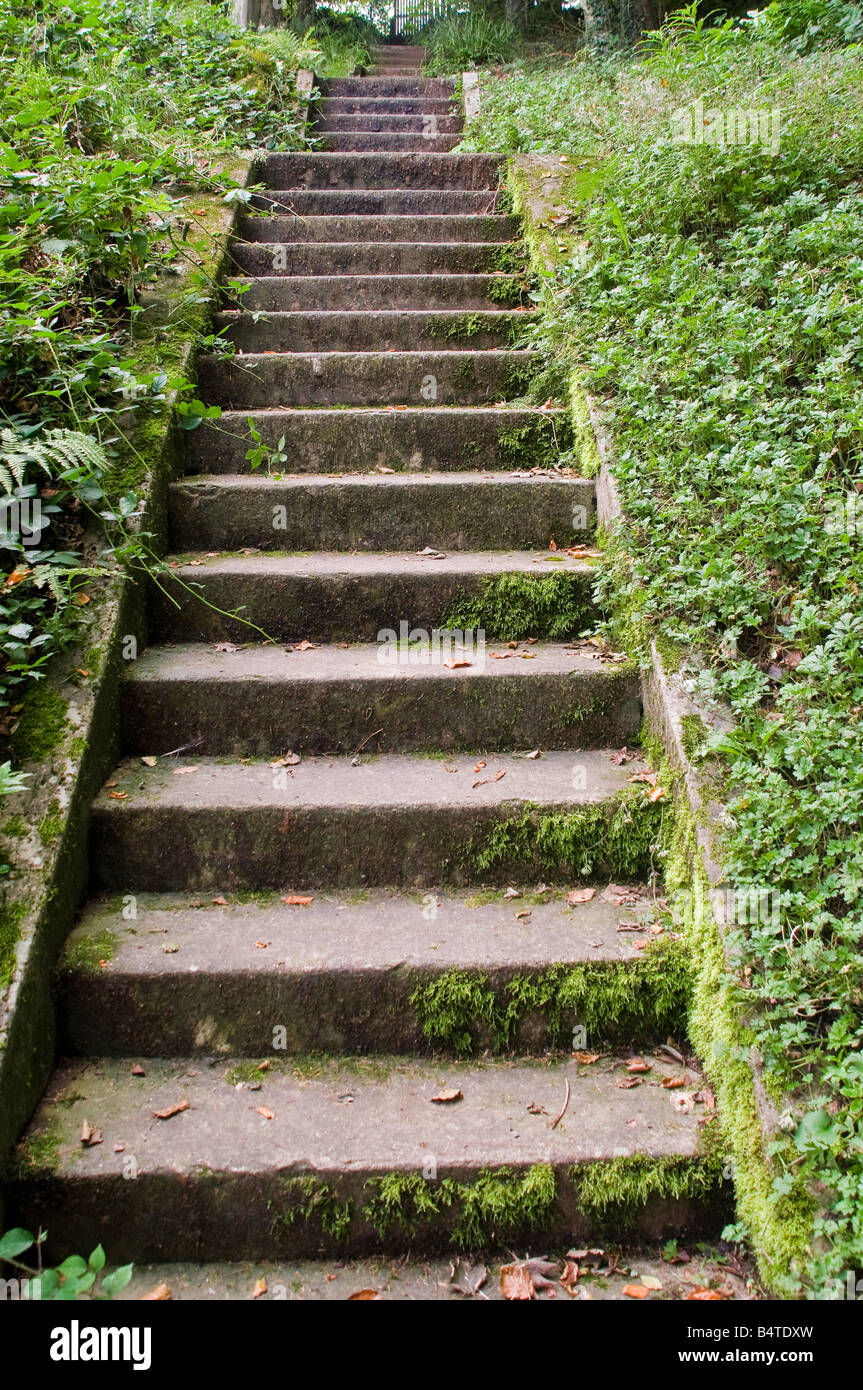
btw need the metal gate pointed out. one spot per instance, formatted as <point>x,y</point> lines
<point>409,16</point>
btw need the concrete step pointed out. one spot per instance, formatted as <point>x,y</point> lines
<point>334,259</point>
<point>368,140</point>
<point>370,330</point>
<point>400,820</point>
<point>463,293</point>
<point>404,85</point>
<point>341,973</point>
<point>408,227</point>
<point>427,125</point>
<point>220,1180</point>
<point>376,170</point>
<point>317,202</point>
<point>366,378</point>
<point>254,702</point>
<point>331,596</point>
<point>399,52</point>
<point>392,70</point>
<point>392,106</point>
<point>463,511</point>
<point>361,440</point>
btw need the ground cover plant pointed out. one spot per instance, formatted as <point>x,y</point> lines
<point>708,293</point>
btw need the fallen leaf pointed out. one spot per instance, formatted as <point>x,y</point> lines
<point>636,1291</point>
<point>118,796</point>
<point>362,1295</point>
<point>516,1283</point>
<point>297,900</point>
<point>171,1110</point>
<point>289,760</point>
<point>262,1110</point>
<point>619,895</point>
<point>650,1281</point>
<point>138,1070</point>
<point>219,902</point>
<point>89,1135</point>
<point>580,895</point>
<point>446,1097</point>
<point>149,761</point>
<point>512,893</point>
<point>260,1289</point>
<point>466,1278</point>
<point>184,771</point>
<point>303,646</point>
<point>702,1295</point>
<point>569,1278</point>
<point>454,665</point>
<point>480,765</point>
<point>519,916</point>
<point>160,1294</point>
<point>587,1059</point>
<point>627,1083</point>
<point>638,1064</point>
<point>226,647</point>
<point>532,756</point>
<point>623,755</point>
<point>670,1083</point>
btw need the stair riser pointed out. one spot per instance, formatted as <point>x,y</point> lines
<point>236,1216</point>
<point>324,608</point>
<point>404,86</point>
<point>424,440</point>
<point>380,170</point>
<point>366,140</point>
<point>161,849</point>
<point>378,202</point>
<point>476,227</point>
<point>387,106</point>
<point>504,516</point>
<point>423,123</point>
<point>337,1012</point>
<point>460,293</point>
<point>236,718</point>
<point>455,378</point>
<point>369,331</point>
<point>358,258</point>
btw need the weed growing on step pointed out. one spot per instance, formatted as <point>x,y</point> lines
<point>510,607</point>
<point>615,1192</point>
<point>493,1207</point>
<point>648,997</point>
<point>310,1200</point>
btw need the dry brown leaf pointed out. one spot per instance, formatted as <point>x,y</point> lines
<point>260,1288</point>
<point>297,900</point>
<point>702,1295</point>
<point>671,1083</point>
<point>171,1110</point>
<point>219,902</point>
<point>636,1291</point>
<point>627,1082</point>
<point>160,1294</point>
<point>89,1135</point>
<point>454,665</point>
<point>446,1097</point>
<point>569,1278</point>
<point>580,895</point>
<point>262,1110</point>
<point>149,761</point>
<point>516,1283</point>
<point>138,1070</point>
<point>118,796</point>
<point>587,1059</point>
<point>363,1296</point>
<point>638,1064</point>
<point>650,1281</point>
<point>183,771</point>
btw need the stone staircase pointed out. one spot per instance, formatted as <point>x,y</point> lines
<point>289,914</point>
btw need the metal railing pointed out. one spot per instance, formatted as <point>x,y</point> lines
<point>410,16</point>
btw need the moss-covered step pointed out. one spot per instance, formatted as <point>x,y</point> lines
<point>394,106</point>
<point>397,227</point>
<point>406,86</point>
<point>257,701</point>
<point>257,1162</point>
<point>375,170</point>
<point>362,972</point>
<point>446,511</point>
<point>363,440</point>
<point>396,819</point>
<point>333,596</point>
<point>342,258</point>
<point>454,377</point>
<point>370,330</point>
<point>317,295</point>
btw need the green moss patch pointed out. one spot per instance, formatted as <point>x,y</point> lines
<point>42,723</point>
<point>512,606</point>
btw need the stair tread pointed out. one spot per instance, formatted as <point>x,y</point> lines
<point>345,1121</point>
<point>393,779</point>
<point>337,933</point>
<point>361,564</point>
<point>358,661</point>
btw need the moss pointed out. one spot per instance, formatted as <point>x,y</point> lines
<point>537,442</point>
<point>87,952</point>
<point>615,837</point>
<point>313,1201</point>
<point>509,259</point>
<point>694,733</point>
<point>11,917</point>
<point>671,653</point>
<point>77,748</point>
<point>617,1190</point>
<point>513,606</point>
<point>41,724</point>
<point>506,290</point>
<point>16,827</point>
<point>245,1073</point>
<point>459,327</point>
<point>93,660</point>
<point>35,1153</point>
<point>51,824</point>
<point>485,1210</point>
<point>645,998</point>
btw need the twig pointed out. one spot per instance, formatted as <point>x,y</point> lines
<point>365,741</point>
<point>565,1104</point>
<point>183,748</point>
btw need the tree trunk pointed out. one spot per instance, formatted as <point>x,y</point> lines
<point>600,24</point>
